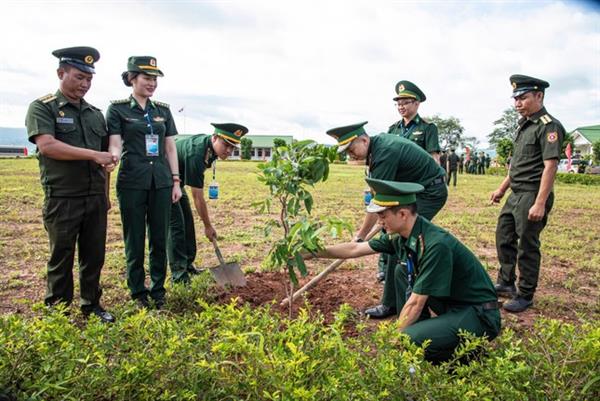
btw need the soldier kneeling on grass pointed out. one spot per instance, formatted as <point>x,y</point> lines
<point>436,272</point>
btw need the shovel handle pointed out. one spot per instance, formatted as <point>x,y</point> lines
<point>217,251</point>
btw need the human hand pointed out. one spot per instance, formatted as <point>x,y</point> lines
<point>104,158</point>
<point>210,232</point>
<point>536,212</point>
<point>496,196</point>
<point>176,193</point>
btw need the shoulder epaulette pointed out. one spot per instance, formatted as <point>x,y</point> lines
<point>120,101</point>
<point>546,119</point>
<point>47,98</point>
<point>161,104</point>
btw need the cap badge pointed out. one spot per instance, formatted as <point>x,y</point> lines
<point>237,133</point>
<point>514,85</point>
<point>401,88</point>
<point>88,59</point>
<point>153,62</point>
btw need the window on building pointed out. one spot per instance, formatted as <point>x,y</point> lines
<point>259,152</point>
<point>268,152</point>
<point>236,152</point>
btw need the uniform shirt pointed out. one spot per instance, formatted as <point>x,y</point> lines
<point>82,126</point>
<point>419,131</point>
<point>394,158</point>
<point>539,138</point>
<point>445,269</point>
<point>195,154</point>
<point>453,160</point>
<point>139,171</point>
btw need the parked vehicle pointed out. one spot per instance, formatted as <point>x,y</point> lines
<point>13,151</point>
<point>562,165</point>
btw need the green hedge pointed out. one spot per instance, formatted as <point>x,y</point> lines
<point>227,352</point>
<point>583,179</point>
<point>502,171</point>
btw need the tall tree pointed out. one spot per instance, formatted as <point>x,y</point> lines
<point>450,131</point>
<point>596,152</point>
<point>246,151</point>
<point>505,127</point>
<point>504,149</point>
<point>277,142</point>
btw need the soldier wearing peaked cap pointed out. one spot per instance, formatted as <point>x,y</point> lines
<point>141,132</point>
<point>195,154</point>
<point>440,273</point>
<point>70,135</point>
<point>533,167</point>
<point>411,125</point>
<point>393,158</point>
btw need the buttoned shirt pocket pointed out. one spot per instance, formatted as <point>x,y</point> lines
<point>530,145</point>
<point>68,134</point>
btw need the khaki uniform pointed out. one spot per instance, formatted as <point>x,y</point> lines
<point>75,204</point>
<point>539,138</point>
<point>144,188</point>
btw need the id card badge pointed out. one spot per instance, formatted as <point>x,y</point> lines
<point>152,145</point>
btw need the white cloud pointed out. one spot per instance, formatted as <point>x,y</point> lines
<point>304,67</point>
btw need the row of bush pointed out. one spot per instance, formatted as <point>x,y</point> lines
<point>227,352</point>
<point>566,178</point>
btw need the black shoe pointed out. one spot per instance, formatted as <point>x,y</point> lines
<point>159,304</point>
<point>517,304</point>
<point>380,312</point>
<point>142,303</point>
<point>380,277</point>
<point>506,290</point>
<point>104,316</point>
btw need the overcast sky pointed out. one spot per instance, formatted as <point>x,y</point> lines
<point>302,67</point>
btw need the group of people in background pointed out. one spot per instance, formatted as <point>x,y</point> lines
<point>432,281</point>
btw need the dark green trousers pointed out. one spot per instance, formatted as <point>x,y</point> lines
<point>518,242</point>
<point>428,205</point>
<point>71,222</point>
<point>141,210</point>
<point>452,176</point>
<point>181,247</point>
<point>443,329</point>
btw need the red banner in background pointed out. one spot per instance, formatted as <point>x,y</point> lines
<point>568,152</point>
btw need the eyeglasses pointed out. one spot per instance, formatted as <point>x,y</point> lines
<point>404,103</point>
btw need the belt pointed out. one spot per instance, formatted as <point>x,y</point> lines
<point>491,305</point>
<point>439,180</point>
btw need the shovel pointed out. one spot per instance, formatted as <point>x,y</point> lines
<point>227,273</point>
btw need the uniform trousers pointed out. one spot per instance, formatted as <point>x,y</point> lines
<point>181,247</point>
<point>518,241</point>
<point>143,210</point>
<point>70,222</point>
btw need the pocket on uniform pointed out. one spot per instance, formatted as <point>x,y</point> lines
<point>531,146</point>
<point>66,133</point>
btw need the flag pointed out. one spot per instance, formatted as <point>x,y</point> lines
<point>181,109</point>
<point>468,152</point>
<point>568,152</point>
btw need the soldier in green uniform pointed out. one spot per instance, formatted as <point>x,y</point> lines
<point>412,126</point>
<point>533,167</point>
<point>393,158</point>
<point>195,154</point>
<point>141,131</point>
<point>442,274</point>
<point>452,166</point>
<point>70,135</point>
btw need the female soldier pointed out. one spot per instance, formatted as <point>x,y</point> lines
<point>141,131</point>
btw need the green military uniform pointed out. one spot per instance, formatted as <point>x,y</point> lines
<point>438,265</point>
<point>453,162</point>
<point>75,204</point>
<point>539,137</point>
<point>144,186</point>
<point>418,130</point>
<point>195,154</point>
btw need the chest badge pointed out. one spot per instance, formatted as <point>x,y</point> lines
<point>158,118</point>
<point>552,137</point>
<point>61,113</point>
<point>417,133</point>
<point>64,120</point>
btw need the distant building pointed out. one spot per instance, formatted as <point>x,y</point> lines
<point>262,146</point>
<point>584,138</point>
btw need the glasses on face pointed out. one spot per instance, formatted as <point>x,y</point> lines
<point>403,103</point>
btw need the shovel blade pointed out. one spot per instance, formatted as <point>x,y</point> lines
<point>228,274</point>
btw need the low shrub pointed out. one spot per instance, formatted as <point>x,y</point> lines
<point>226,352</point>
<point>583,179</point>
<point>502,171</point>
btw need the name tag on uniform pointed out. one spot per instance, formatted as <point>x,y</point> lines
<point>418,133</point>
<point>159,119</point>
<point>64,120</point>
<point>152,145</point>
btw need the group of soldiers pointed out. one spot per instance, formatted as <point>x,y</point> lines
<point>433,282</point>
